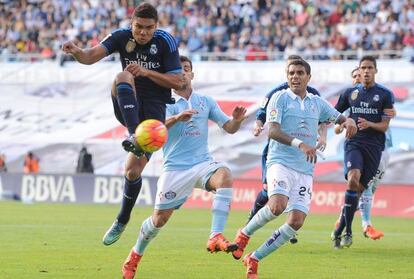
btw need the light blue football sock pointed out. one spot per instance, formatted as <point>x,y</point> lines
<point>279,237</point>
<point>220,210</point>
<point>262,217</point>
<point>365,205</point>
<point>147,233</point>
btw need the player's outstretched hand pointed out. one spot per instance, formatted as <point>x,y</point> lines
<point>70,48</point>
<point>309,151</point>
<point>351,128</point>
<point>258,128</point>
<point>239,113</point>
<point>136,70</point>
<point>391,113</point>
<point>186,115</point>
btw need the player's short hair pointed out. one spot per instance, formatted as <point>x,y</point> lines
<point>294,57</point>
<point>301,62</point>
<point>146,10</point>
<point>186,59</point>
<point>369,58</point>
<point>354,70</point>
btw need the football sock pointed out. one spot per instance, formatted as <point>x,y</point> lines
<point>220,210</point>
<point>279,237</point>
<point>131,191</point>
<point>365,204</point>
<point>262,217</point>
<point>342,223</point>
<point>350,206</point>
<point>260,201</point>
<point>128,105</point>
<point>147,233</point>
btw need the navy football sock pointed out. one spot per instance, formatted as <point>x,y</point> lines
<point>350,206</point>
<point>128,105</point>
<point>131,191</point>
<point>260,201</point>
<point>341,225</point>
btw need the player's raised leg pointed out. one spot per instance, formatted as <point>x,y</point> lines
<point>220,181</point>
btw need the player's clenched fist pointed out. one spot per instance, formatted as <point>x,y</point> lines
<point>70,48</point>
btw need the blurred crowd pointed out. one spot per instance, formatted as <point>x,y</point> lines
<point>227,29</point>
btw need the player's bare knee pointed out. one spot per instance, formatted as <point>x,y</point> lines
<point>276,208</point>
<point>132,174</point>
<point>159,220</point>
<point>124,76</point>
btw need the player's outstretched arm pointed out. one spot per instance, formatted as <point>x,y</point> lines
<point>86,56</point>
<point>183,116</point>
<point>233,125</point>
<point>276,133</point>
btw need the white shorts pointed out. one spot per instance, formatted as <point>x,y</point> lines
<point>174,187</point>
<point>385,158</point>
<point>292,184</point>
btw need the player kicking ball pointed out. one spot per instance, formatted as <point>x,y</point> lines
<point>188,165</point>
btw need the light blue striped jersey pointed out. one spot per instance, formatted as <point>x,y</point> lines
<point>187,143</point>
<point>297,118</point>
<point>388,138</point>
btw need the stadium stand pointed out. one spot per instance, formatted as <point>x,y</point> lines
<point>218,30</point>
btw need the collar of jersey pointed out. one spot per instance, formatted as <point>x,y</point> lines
<point>294,96</point>
<point>178,97</point>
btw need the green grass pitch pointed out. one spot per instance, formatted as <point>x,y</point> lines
<point>64,241</point>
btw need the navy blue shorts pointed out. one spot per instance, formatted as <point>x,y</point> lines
<point>147,109</point>
<point>365,157</point>
<point>264,160</point>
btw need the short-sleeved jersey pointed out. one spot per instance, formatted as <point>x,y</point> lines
<point>187,143</point>
<point>261,112</point>
<point>160,54</point>
<point>299,119</point>
<point>369,104</point>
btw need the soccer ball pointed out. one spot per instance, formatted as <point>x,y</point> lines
<point>151,135</point>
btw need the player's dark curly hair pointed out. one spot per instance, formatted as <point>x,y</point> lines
<point>301,63</point>
<point>146,10</point>
<point>369,58</point>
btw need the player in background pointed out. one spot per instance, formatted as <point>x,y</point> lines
<point>151,67</point>
<point>365,201</point>
<point>366,102</point>
<point>188,164</point>
<point>293,115</point>
<point>262,198</point>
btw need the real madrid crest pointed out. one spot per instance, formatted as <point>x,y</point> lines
<point>130,46</point>
<point>376,98</point>
<point>354,94</point>
<point>153,49</point>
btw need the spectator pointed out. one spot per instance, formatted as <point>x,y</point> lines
<point>31,163</point>
<point>38,26</point>
<point>3,166</point>
<point>85,164</point>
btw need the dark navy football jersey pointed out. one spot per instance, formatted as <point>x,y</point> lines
<point>261,112</point>
<point>160,54</point>
<point>369,104</point>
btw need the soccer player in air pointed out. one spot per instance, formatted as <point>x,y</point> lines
<point>188,164</point>
<point>365,201</point>
<point>367,102</point>
<point>151,67</point>
<point>262,197</point>
<point>293,116</point>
